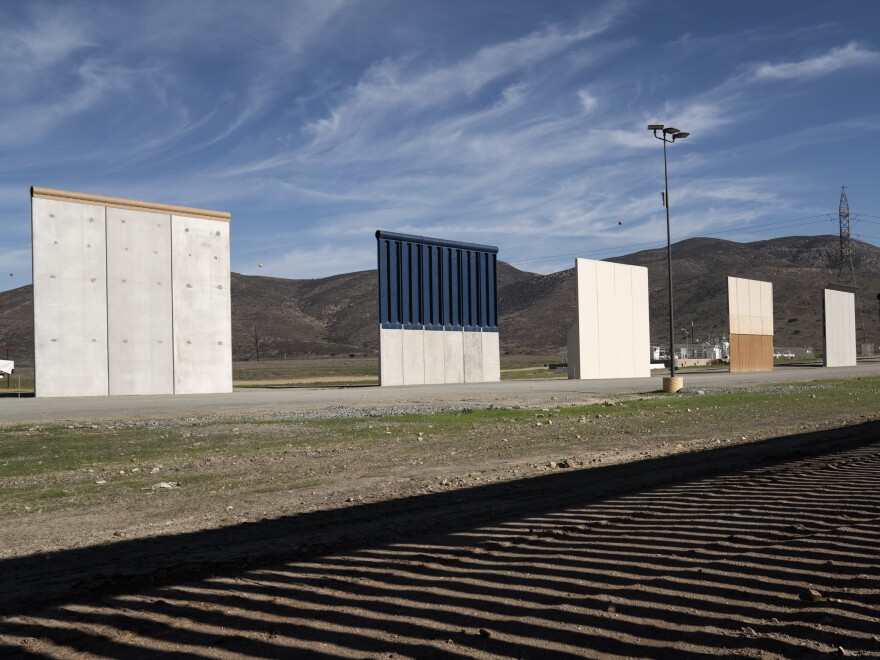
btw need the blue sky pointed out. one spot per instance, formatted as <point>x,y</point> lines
<point>510,122</point>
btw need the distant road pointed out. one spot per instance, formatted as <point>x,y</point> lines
<point>258,401</point>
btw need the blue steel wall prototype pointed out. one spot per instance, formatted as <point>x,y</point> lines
<point>438,311</point>
<point>436,287</point>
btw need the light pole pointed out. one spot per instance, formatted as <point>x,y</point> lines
<point>669,135</point>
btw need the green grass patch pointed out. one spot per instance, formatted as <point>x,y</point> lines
<point>56,467</point>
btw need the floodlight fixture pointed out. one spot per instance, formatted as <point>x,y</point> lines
<point>669,130</point>
<point>681,135</point>
<point>655,127</point>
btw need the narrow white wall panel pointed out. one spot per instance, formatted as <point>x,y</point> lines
<point>390,356</point>
<point>139,336</point>
<point>453,356</point>
<point>573,341</point>
<point>435,357</point>
<point>641,338</point>
<point>201,305</point>
<point>742,304</point>
<point>624,323</point>
<point>491,354</point>
<point>732,296</point>
<point>413,357</point>
<point>473,357</point>
<point>70,298</point>
<point>588,302</point>
<point>607,311</point>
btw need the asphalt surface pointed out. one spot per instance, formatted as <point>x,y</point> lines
<point>261,401</point>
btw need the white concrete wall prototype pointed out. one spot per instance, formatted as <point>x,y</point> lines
<point>70,298</point>
<point>390,356</point>
<point>413,357</point>
<point>106,310</point>
<point>611,337</point>
<point>750,306</point>
<point>202,305</point>
<point>453,356</point>
<point>491,355</point>
<point>139,338</point>
<point>840,329</point>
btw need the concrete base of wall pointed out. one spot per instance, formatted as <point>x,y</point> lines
<point>418,357</point>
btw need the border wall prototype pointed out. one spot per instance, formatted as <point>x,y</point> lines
<point>839,316</point>
<point>438,311</point>
<point>611,336</point>
<point>750,307</point>
<point>130,297</point>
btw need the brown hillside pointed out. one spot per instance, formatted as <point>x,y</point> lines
<point>337,315</point>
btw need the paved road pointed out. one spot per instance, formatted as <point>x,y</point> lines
<point>258,401</point>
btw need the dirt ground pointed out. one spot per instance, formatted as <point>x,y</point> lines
<point>638,530</point>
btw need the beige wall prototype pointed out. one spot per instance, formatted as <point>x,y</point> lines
<point>840,327</point>
<point>750,318</point>
<point>107,314</point>
<point>611,334</point>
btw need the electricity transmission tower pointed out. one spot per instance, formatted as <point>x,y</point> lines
<point>846,272</point>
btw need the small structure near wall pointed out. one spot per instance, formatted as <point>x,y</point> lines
<point>438,311</point>
<point>750,307</point>
<point>130,297</point>
<point>611,334</point>
<point>839,315</point>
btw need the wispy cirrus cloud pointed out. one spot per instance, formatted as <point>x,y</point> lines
<point>836,59</point>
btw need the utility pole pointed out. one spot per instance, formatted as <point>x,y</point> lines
<point>257,343</point>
